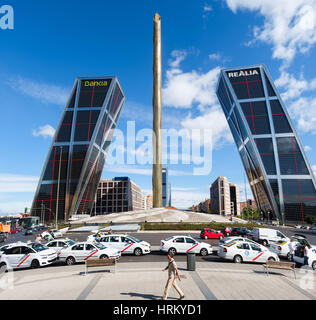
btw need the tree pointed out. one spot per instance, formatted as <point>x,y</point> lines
<point>250,214</point>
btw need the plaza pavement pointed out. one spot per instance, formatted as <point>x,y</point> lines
<point>145,280</point>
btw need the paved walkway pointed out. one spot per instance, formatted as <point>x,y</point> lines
<point>211,281</point>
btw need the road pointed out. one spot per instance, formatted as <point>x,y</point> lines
<point>154,239</point>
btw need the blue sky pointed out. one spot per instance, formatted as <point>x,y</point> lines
<point>54,42</point>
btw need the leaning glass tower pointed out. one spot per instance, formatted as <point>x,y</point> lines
<point>78,152</point>
<point>277,168</point>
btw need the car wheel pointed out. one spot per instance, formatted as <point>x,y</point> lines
<point>104,256</point>
<point>206,237</point>
<point>138,252</point>
<point>70,261</point>
<point>238,259</point>
<point>271,259</point>
<point>3,266</point>
<point>172,251</point>
<point>314,265</point>
<point>35,264</point>
<point>203,252</point>
<point>265,242</point>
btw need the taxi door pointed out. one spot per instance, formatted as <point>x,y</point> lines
<point>115,242</point>
<point>127,245</point>
<point>257,254</point>
<point>78,251</point>
<point>90,251</point>
<point>180,244</point>
<point>243,249</point>
<point>191,245</point>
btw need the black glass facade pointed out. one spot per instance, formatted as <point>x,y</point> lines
<point>278,171</point>
<point>77,156</point>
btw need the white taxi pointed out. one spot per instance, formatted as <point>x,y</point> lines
<point>185,244</point>
<point>283,248</point>
<point>245,251</point>
<point>126,244</point>
<point>33,255</point>
<point>303,253</point>
<point>83,251</point>
<point>58,245</point>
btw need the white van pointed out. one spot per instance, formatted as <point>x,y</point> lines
<point>266,236</point>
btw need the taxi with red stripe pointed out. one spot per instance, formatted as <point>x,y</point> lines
<point>245,251</point>
<point>82,251</point>
<point>27,255</point>
<point>126,244</point>
<point>185,244</point>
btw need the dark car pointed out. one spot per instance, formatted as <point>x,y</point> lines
<point>3,237</point>
<point>29,231</point>
<point>242,232</point>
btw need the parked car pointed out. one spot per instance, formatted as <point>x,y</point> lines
<point>266,235</point>
<point>243,251</point>
<point>56,233</point>
<point>235,238</point>
<point>208,233</point>
<point>3,237</point>
<point>32,255</point>
<point>126,244</point>
<point>243,232</point>
<point>314,230</point>
<point>83,251</point>
<point>305,250</point>
<point>47,236</point>
<point>58,245</point>
<point>282,249</point>
<point>29,231</point>
<point>184,244</point>
<point>226,231</point>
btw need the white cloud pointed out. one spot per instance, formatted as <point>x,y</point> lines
<point>46,131</point>
<point>178,56</point>
<point>213,119</point>
<point>207,8</point>
<point>183,89</point>
<point>307,148</point>
<point>289,25</point>
<point>293,88</point>
<point>46,93</point>
<point>214,56</point>
<point>187,89</point>
<point>17,183</point>
<point>304,111</point>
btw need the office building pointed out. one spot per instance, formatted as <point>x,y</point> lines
<point>220,196</point>
<point>77,155</point>
<point>117,195</point>
<point>276,165</point>
<point>166,188</point>
<point>234,199</point>
<point>147,202</point>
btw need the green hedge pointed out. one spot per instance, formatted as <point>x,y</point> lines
<point>194,226</point>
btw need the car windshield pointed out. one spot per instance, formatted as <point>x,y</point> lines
<point>99,246</point>
<point>70,242</point>
<point>38,247</point>
<point>134,239</point>
<point>169,238</point>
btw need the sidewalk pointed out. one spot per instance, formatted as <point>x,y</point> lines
<point>143,281</point>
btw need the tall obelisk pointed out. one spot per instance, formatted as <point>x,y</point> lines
<point>157,124</point>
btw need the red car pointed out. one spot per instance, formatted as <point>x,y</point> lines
<point>208,233</point>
